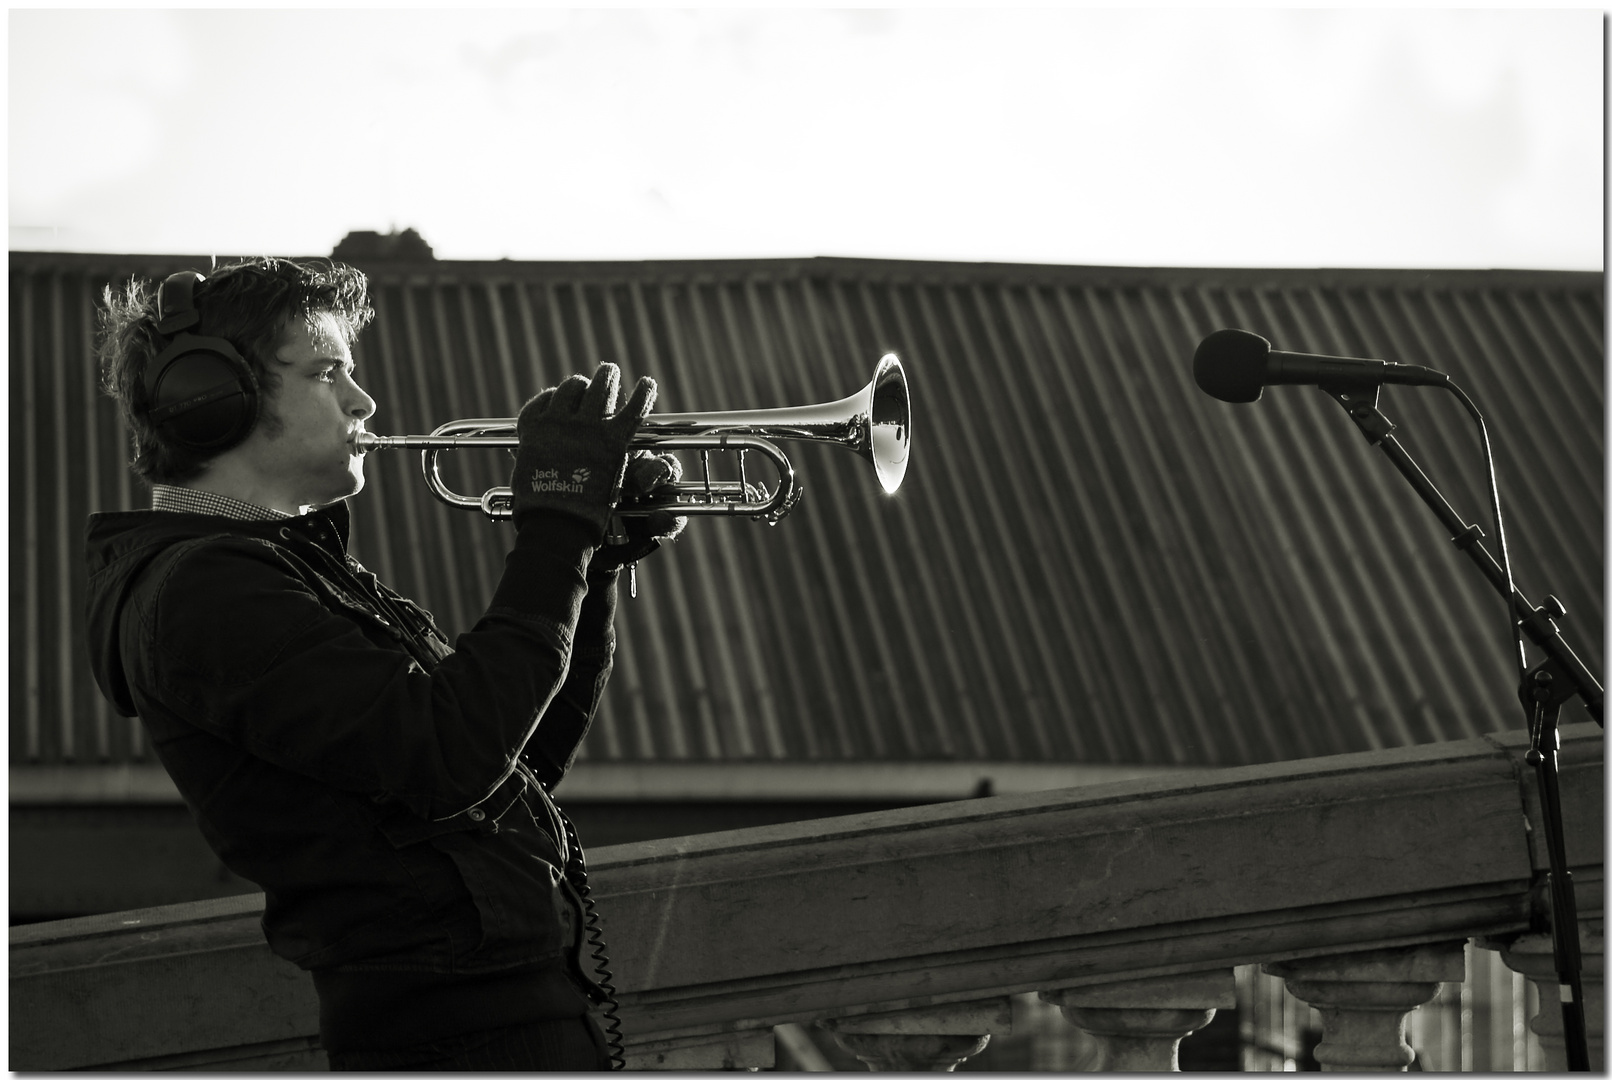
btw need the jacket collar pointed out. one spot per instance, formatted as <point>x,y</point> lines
<point>111,536</point>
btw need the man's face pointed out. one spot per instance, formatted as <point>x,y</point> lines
<point>307,456</point>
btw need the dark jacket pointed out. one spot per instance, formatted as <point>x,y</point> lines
<point>381,786</point>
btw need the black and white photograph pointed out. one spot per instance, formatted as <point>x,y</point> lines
<point>758,538</point>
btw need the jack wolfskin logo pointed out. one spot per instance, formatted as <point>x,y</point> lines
<point>549,480</point>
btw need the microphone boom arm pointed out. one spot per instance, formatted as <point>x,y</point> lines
<point>1360,402</point>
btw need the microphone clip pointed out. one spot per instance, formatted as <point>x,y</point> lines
<point>1359,400</point>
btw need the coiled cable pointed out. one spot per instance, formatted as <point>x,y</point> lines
<point>576,871</point>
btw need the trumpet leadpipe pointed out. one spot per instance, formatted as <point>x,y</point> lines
<point>368,440</point>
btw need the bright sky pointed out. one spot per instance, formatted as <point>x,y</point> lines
<point>1196,137</point>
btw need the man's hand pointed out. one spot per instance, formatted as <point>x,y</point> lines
<point>647,473</point>
<point>573,447</point>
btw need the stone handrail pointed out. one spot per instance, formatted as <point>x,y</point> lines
<point>904,932</point>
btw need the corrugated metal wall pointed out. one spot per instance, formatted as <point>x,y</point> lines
<point>1090,561</point>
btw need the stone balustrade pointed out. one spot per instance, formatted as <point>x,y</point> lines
<point>905,933</point>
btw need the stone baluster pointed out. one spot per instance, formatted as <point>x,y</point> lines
<point>935,1039</point>
<point>1364,999</point>
<point>1533,957</point>
<point>1138,1025</point>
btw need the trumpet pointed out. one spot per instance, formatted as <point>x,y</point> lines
<point>875,423</point>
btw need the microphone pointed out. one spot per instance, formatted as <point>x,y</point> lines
<point>1236,366</point>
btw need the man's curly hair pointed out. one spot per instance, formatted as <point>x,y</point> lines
<point>249,304</point>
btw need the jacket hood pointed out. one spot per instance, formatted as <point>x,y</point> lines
<point>119,547</point>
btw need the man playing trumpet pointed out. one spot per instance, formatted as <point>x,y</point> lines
<point>387,789</point>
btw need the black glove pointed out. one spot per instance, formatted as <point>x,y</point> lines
<point>573,447</point>
<point>642,536</point>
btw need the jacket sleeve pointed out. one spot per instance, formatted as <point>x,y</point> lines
<point>241,646</point>
<point>553,746</point>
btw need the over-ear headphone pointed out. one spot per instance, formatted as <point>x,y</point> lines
<point>200,391</point>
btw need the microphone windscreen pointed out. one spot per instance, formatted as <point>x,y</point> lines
<point>1230,365</point>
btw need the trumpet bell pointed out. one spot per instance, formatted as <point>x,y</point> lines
<point>889,423</point>
<point>875,423</point>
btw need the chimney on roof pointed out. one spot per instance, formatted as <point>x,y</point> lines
<point>364,245</point>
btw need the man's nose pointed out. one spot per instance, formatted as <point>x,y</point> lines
<point>359,403</point>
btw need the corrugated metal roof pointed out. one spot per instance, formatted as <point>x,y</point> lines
<point>1090,561</point>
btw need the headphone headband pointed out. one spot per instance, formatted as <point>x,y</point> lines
<point>176,302</point>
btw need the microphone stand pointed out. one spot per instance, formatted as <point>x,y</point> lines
<point>1556,679</point>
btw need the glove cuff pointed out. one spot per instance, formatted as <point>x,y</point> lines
<point>546,571</point>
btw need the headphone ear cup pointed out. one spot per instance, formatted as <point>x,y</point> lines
<point>202,394</point>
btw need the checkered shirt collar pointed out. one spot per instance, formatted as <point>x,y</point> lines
<point>186,500</point>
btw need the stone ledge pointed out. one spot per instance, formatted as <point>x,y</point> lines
<point>909,909</point>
